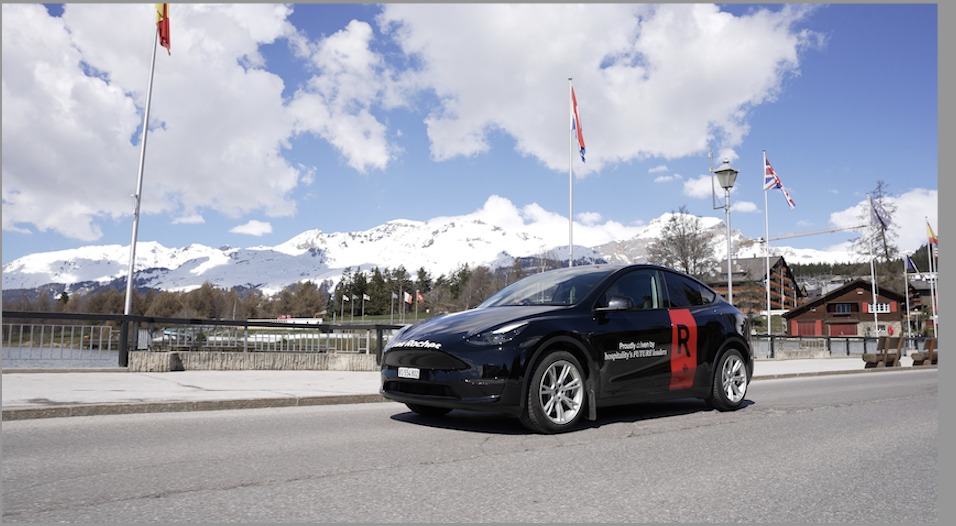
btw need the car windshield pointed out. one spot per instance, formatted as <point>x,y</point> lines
<point>557,287</point>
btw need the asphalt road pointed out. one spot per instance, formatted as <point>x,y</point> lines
<point>844,448</point>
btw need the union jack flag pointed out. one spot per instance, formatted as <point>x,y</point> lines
<point>771,180</point>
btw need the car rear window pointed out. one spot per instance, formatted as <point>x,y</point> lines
<point>685,292</point>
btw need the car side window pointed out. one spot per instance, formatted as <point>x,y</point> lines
<point>685,292</point>
<point>641,286</point>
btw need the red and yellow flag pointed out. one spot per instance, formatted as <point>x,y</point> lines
<point>932,235</point>
<point>162,25</point>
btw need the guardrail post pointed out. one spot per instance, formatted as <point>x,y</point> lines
<point>124,345</point>
<point>378,343</point>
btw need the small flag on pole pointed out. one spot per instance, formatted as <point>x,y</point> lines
<point>576,123</point>
<point>933,240</point>
<point>878,215</point>
<point>344,297</point>
<point>366,297</point>
<point>408,298</point>
<point>912,266</point>
<point>420,298</point>
<point>771,180</point>
<point>162,25</point>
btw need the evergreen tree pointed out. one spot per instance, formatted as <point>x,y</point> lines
<point>308,302</point>
<point>379,294</point>
<point>423,281</point>
<point>166,305</point>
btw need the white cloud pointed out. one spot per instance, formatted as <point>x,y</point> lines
<point>253,228</point>
<point>218,124</point>
<point>550,226</point>
<point>699,188</point>
<point>913,210</point>
<point>589,218</point>
<point>336,104</point>
<point>743,206</point>
<point>667,178</point>
<point>194,219</point>
<point>493,67</point>
<point>659,168</point>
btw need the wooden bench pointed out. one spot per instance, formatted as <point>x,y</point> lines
<point>926,356</point>
<point>885,358</point>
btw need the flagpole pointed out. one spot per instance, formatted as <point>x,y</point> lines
<point>932,280</point>
<point>876,326</point>
<point>906,289</point>
<point>571,179</point>
<point>139,182</point>
<point>766,215</point>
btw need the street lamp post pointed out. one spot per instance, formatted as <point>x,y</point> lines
<point>726,176</point>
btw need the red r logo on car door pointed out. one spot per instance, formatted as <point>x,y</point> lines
<point>683,349</point>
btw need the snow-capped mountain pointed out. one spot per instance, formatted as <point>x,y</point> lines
<point>438,246</point>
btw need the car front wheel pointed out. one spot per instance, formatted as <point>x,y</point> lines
<point>730,382</point>
<point>556,394</point>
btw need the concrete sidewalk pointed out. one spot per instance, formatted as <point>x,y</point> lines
<point>40,393</point>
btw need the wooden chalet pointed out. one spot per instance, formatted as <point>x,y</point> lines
<point>848,311</point>
<point>750,284</point>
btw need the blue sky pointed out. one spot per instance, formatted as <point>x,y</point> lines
<point>270,120</point>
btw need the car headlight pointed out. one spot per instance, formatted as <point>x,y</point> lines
<point>397,337</point>
<point>501,335</point>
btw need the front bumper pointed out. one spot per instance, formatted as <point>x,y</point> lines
<point>477,380</point>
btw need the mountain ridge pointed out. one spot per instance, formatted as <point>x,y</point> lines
<point>440,247</point>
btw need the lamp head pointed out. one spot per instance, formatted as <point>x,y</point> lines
<point>726,175</point>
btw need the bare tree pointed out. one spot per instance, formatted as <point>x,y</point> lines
<point>879,245</point>
<point>684,245</point>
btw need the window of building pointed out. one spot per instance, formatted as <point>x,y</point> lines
<point>843,308</point>
<point>880,308</point>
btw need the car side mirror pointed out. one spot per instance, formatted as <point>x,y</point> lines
<point>616,303</point>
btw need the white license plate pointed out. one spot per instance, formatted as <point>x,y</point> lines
<point>409,372</point>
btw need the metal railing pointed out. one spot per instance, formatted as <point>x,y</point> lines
<point>765,346</point>
<point>59,344</point>
<point>38,336</point>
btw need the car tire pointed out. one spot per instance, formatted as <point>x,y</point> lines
<point>556,395</point>
<point>428,410</point>
<point>730,382</point>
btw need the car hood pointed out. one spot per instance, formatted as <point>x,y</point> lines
<point>453,328</point>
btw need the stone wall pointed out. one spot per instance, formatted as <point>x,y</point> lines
<point>148,361</point>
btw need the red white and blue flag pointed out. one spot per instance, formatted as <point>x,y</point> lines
<point>878,214</point>
<point>576,123</point>
<point>912,266</point>
<point>771,181</point>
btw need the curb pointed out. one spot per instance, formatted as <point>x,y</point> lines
<point>65,370</point>
<point>848,371</point>
<point>180,407</point>
<point>221,405</point>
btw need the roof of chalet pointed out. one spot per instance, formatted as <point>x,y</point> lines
<point>857,283</point>
<point>755,267</point>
